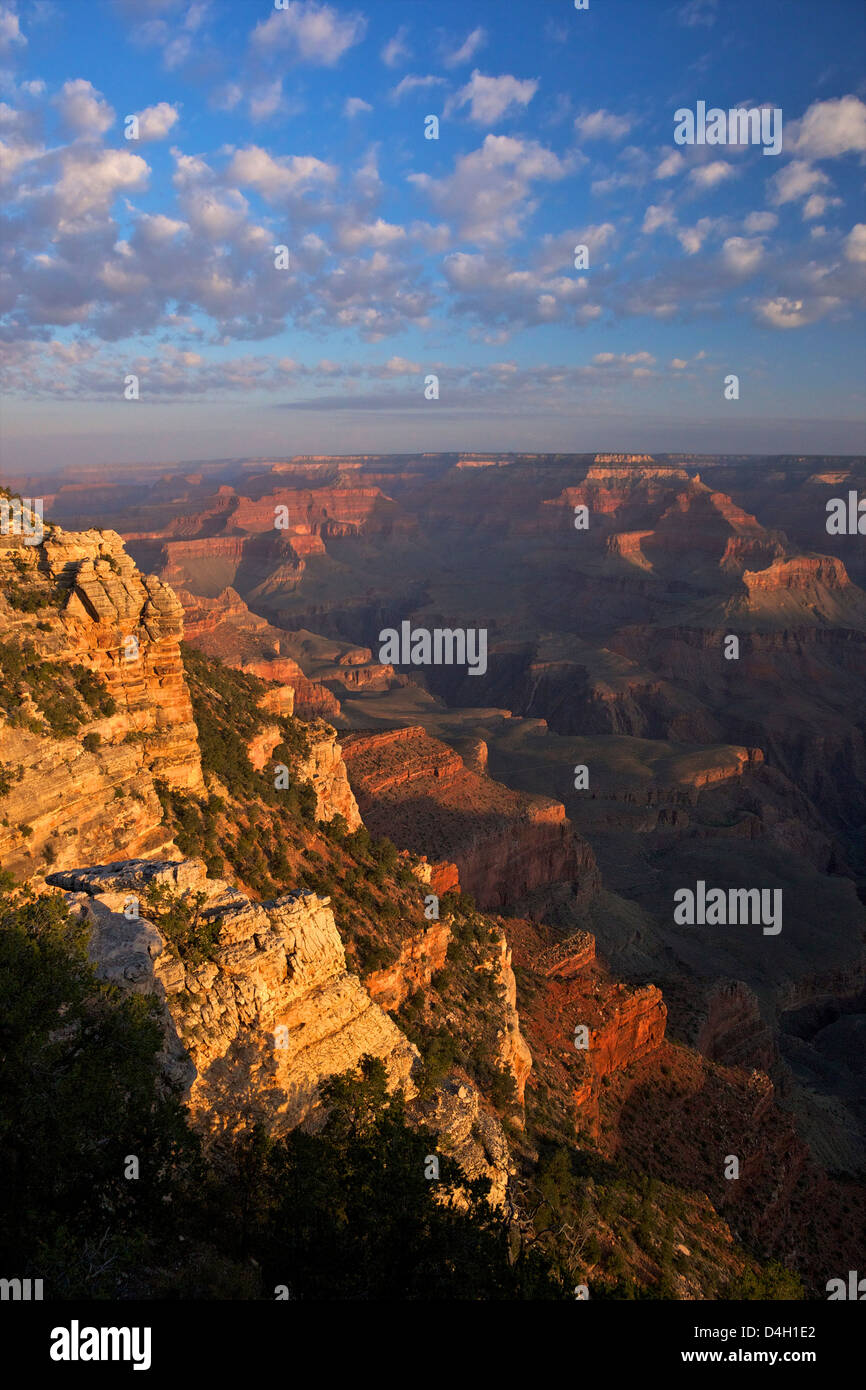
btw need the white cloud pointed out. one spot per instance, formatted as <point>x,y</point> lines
<point>672,164</point>
<point>741,255</point>
<point>782,312</point>
<point>817,204</point>
<point>855,243</point>
<point>611,359</point>
<point>602,125</point>
<point>397,50</point>
<point>469,47</point>
<point>691,239</point>
<point>279,178</point>
<point>413,84</point>
<point>657,215</point>
<point>354,106</point>
<point>491,98</point>
<point>378,233</point>
<point>267,100</point>
<point>709,175</point>
<point>154,122</point>
<point>796,181</point>
<point>760,222</point>
<point>317,34</point>
<point>400,366</point>
<point>10,32</point>
<point>489,190</point>
<point>91,180</point>
<point>83,109</point>
<point>831,128</point>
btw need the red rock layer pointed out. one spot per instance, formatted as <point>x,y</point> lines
<point>505,844</point>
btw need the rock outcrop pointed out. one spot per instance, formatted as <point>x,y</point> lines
<point>266,1018</point>
<point>80,772</point>
<point>325,769</point>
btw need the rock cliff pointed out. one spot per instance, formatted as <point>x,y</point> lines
<point>506,844</point>
<point>266,1018</point>
<point>95,706</point>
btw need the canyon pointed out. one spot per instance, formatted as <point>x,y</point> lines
<point>606,657</point>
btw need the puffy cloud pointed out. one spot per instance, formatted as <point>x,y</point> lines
<point>657,215</point>
<point>491,289</point>
<point>378,233</point>
<point>761,221</point>
<point>354,106</point>
<point>265,102</point>
<point>317,34</point>
<point>602,125</point>
<point>831,128</point>
<point>672,163</point>
<point>491,98</point>
<point>10,31</point>
<point>154,122</point>
<point>400,366</point>
<point>489,190</point>
<point>468,48</point>
<point>796,181</point>
<point>691,239</point>
<point>216,215</point>
<point>817,204</point>
<point>782,312</point>
<point>855,243</point>
<point>741,255</point>
<point>83,109</point>
<point>91,180</point>
<point>14,155</point>
<point>278,179</point>
<point>712,174</point>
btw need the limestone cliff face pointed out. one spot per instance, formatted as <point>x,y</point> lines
<point>514,1054</point>
<point>326,771</point>
<point>420,957</point>
<point>85,605</point>
<point>253,1032</point>
<point>256,1028</point>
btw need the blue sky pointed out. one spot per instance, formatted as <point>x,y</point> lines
<point>305,127</point>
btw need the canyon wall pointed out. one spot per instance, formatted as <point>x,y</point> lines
<point>506,844</point>
<point>80,769</point>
